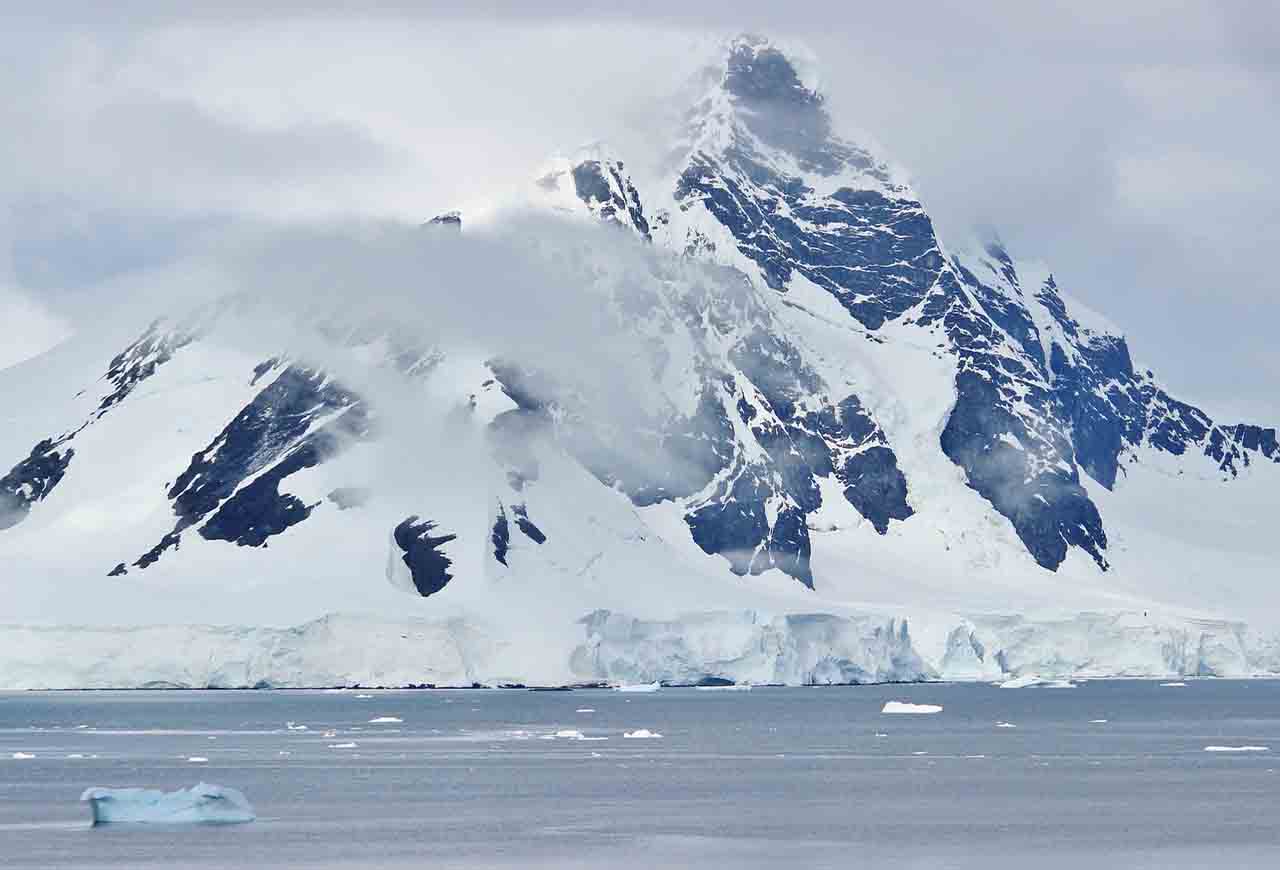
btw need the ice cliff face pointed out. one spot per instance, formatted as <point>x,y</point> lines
<point>836,403</point>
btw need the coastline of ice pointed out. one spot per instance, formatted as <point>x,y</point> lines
<point>636,655</point>
<point>203,803</point>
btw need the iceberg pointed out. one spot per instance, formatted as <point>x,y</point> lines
<point>639,687</point>
<point>1237,749</point>
<point>642,734</point>
<point>203,803</point>
<point>904,707</point>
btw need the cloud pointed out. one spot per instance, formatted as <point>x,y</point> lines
<point>1130,146</point>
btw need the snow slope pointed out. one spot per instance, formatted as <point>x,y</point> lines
<point>749,421</point>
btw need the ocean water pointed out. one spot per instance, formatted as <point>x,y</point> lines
<point>799,777</point>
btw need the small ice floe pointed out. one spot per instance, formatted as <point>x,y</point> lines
<point>975,756</point>
<point>22,756</point>
<point>641,734</point>
<point>881,734</point>
<point>363,697</point>
<point>347,745</point>
<point>920,752</point>
<point>203,803</point>
<point>639,687</point>
<point>585,710</point>
<point>76,755</point>
<point>293,726</point>
<point>1035,681</point>
<point>329,734</point>
<point>1237,749</point>
<point>197,759</point>
<point>385,720</point>
<point>732,687</point>
<point>1005,725</point>
<point>569,734</point>
<point>904,707</point>
<point>211,738</point>
<point>1097,721</point>
<point>1176,684</point>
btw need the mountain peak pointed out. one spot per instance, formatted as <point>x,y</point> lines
<point>758,71</point>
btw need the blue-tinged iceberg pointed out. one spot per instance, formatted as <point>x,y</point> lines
<point>202,804</point>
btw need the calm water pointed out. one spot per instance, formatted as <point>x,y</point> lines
<point>768,778</point>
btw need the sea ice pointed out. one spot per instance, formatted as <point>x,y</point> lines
<point>569,734</point>
<point>1005,725</point>
<point>343,745</point>
<point>1035,681</point>
<point>640,687</point>
<point>641,734</point>
<point>385,720</point>
<point>1174,685</point>
<point>904,707</point>
<point>585,710</point>
<point>20,756</point>
<point>203,803</point>
<point>1237,749</point>
<point>197,759</point>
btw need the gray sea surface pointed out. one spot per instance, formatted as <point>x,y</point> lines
<point>774,777</point>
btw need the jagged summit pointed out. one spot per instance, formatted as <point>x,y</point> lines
<point>757,72</point>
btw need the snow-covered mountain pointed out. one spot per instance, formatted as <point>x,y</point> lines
<point>790,436</point>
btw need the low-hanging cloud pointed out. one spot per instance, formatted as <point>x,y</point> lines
<point>1128,146</point>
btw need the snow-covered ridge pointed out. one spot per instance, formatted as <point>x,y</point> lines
<point>770,421</point>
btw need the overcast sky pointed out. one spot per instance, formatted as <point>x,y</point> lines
<point>1129,145</point>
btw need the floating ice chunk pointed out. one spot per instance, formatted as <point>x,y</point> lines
<point>1097,721</point>
<point>76,755</point>
<point>1035,681</point>
<point>1237,749</point>
<point>735,687</point>
<point>363,697</point>
<point>22,756</point>
<point>385,720</point>
<point>881,734</point>
<point>293,726</point>
<point>197,759</point>
<point>343,745</point>
<point>641,734</point>
<point>1005,725</point>
<point>639,687</point>
<point>585,710</point>
<point>904,707</point>
<point>921,752</point>
<point>1174,685</point>
<point>569,734</point>
<point>201,804</point>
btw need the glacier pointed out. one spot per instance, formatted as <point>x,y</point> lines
<point>781,432</point>
<point>203,804</point>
